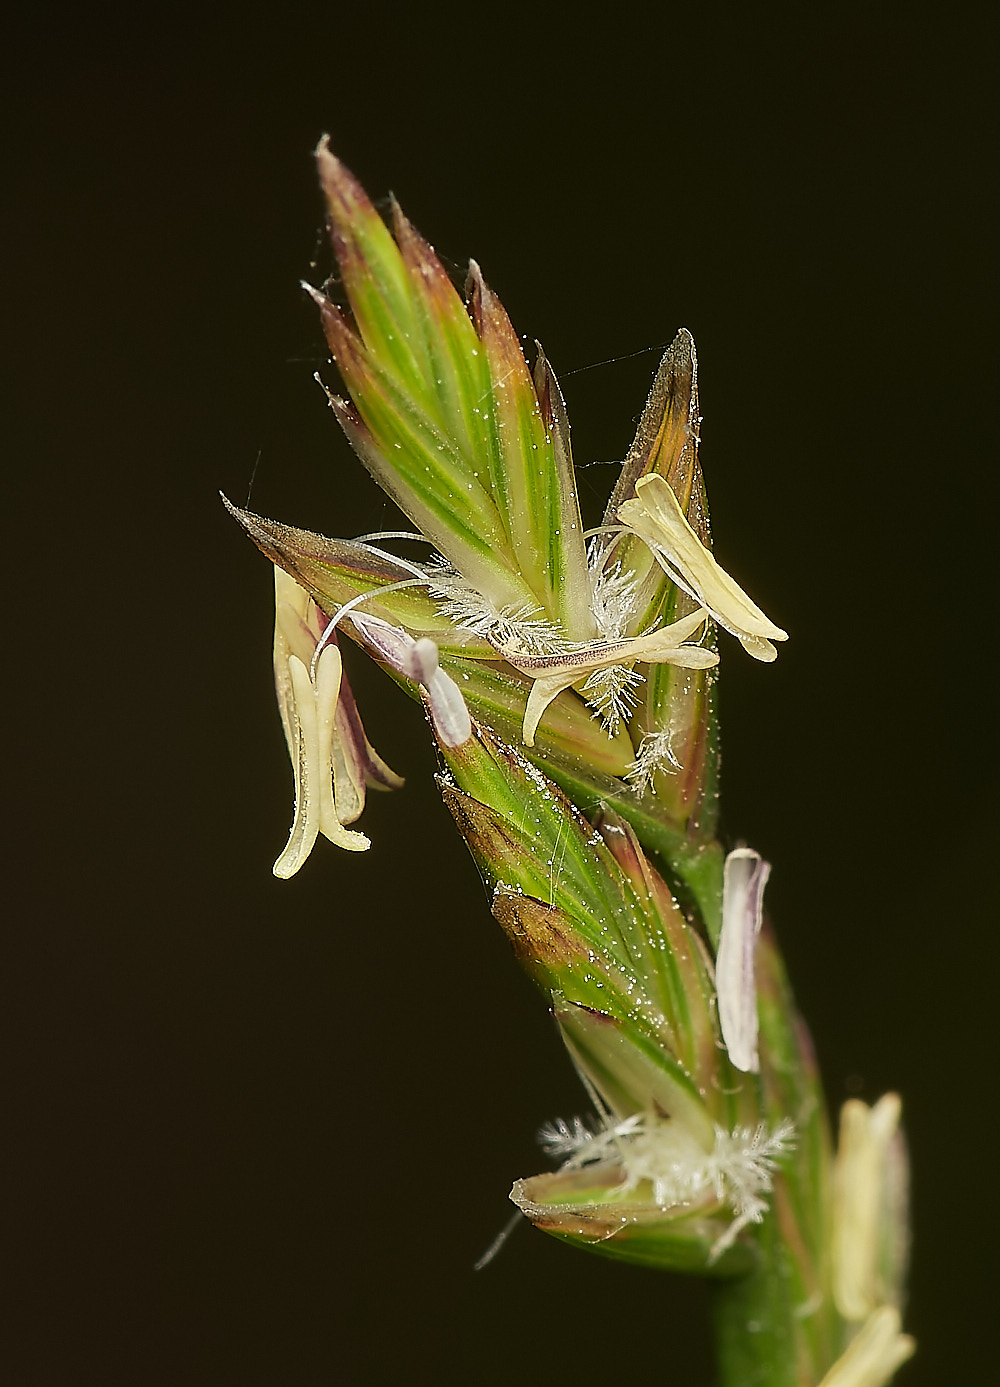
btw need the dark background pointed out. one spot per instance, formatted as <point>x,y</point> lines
<point>261,1130</point>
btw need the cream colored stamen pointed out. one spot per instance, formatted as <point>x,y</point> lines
<point>554,673</point>
<point>655,515</point>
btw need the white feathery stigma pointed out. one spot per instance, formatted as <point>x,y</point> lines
<point>611,692</point>
<point>655,753</point>
<point>562,1138</point>
<point>738,1170</point>
<point>613,595</point>
<point>461,603</point>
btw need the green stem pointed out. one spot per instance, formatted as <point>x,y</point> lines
<point>760,1340</point>
<point>777,1326</point>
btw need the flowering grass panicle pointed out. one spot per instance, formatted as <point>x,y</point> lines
<point>570,691</point>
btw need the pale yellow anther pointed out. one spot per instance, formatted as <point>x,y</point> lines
<point>554,673</point>
<point>863,1205</point>
<point>655,515</point>
<point>308,705</point>
<point>874,1354</point>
